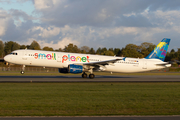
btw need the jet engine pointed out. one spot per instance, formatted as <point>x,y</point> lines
<point>75,68</point>
<point>72,69</point>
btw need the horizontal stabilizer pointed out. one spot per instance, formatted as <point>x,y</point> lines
<point>166,64</point>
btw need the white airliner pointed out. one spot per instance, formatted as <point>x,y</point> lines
<point>82,63</point>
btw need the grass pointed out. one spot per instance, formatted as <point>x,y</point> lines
<point>87,99</point>
<point>176,69</point>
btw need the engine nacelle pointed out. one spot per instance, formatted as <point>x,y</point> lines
<point>63,70</point>
<point>72,69</point>
<point>75,68</point>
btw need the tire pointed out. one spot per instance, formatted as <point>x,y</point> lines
<point>22,72</point>
<point>84,75</point>
<point>91,76</point>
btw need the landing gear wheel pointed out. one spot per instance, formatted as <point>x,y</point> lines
<point>84,75</point>
<point>23,68</point>
<point>91,76</point>
<point>22,72</point>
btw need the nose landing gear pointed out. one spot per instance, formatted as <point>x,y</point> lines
<point>23,68</point>
<point>22,72</point>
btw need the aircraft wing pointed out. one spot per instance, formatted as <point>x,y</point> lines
<point>106,62</point>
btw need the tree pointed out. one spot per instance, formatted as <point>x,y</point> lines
<point>103,51</point>
<point>109,53</point>
<point>8,46</point>
<point>178,50</point>
<point>71,48</point>
<point>35,45</point>
<point>131,50</point>
<point>85,49</point>
<point>145,48</point>
<point>117,51</point>
<point>172,51</point>
<point>23,47</point>
<point>28,46</point>
<point>111,49</point>
<point>15,46</point>
<point>178,53</point>
<point>92,51</point>
<point>98,51</point>
<point>48,49</point>
<point>76,49</point>
<point>1,49</point>
<point>172,54</point>
<point>11,46</point>
<point>61,50</point>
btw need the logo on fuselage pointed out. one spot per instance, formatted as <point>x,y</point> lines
<point>73,58</point>
<point>64,58</point>
<point>45,56</point>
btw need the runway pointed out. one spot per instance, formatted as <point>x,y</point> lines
<point>75,78</point>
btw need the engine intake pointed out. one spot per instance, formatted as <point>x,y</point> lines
<point>63,70</point>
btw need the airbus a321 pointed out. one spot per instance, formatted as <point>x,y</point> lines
<point>86,63</point>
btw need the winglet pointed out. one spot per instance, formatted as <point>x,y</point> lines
<point>124,58</point>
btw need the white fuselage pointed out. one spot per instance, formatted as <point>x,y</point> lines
<point>63,59</point>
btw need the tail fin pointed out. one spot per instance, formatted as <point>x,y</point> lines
<point>160,50</point>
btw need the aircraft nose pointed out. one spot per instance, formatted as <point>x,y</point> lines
<point>7,58</point>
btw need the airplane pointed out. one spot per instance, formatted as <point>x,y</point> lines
<point>83,63</point>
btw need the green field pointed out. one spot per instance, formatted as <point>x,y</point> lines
<point>87,99</point>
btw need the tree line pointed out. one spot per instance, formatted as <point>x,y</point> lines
<point>130,50</point>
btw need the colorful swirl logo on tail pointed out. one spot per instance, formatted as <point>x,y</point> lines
<point>160,51</point>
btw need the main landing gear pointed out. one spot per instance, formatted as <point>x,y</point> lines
<point>91,76</point>
<point>84,75</point>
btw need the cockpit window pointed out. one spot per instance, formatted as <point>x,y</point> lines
<point>13,53</point>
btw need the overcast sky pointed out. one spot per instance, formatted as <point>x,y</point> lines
<point>94,23</point>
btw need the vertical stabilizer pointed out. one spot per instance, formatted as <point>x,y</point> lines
<point>160,50</point>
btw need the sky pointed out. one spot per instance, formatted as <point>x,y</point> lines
<point>93,23</point>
